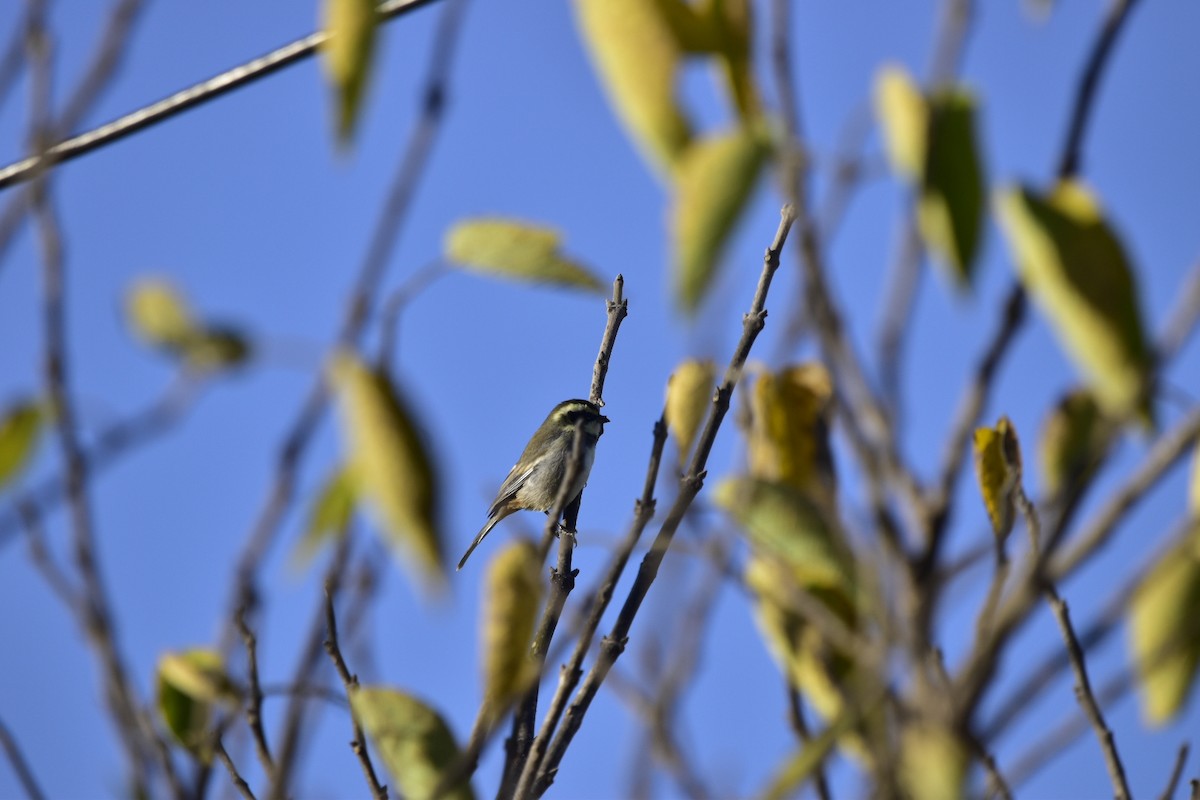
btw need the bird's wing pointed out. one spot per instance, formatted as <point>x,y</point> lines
<point>510,487</point>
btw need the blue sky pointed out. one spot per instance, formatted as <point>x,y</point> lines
<point>250,209</point>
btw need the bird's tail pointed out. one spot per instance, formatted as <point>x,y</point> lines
<point>491,523</point>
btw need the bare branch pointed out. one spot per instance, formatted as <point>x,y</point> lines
<point>20,766</point>
<point>254,701</point>
<point>1176,773</point>
<point>235,776</point>
<point>1181,322</point>
<point>350,681</point>
<point>195,95</point>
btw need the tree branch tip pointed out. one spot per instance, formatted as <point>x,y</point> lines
<point>788,213</point>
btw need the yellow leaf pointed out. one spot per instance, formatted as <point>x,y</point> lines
<point>1164,631</point>
<point>1074,439</point>
<point>636,53</point>
<point>782,523</point>
<point>158,315</point>
<point>513,249</point>
<point>904,116</point>
<point>413,741</point>
<point>788,441</point>
<point>689,395</point>
<point>215,348</point>
<point>394,469</point>
<point>328,514</point>
<point>951,204</point>
<point>998,469</point>
<point>1076,269</point>
<point>510,612</point>
<point>933,762</point>
<point>716,177</point>
<point>347,56</point>
<point>19,431</point>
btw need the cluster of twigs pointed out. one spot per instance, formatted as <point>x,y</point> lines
<point>909,515</point>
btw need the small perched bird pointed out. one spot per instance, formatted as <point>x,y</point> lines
<point>533,482</point>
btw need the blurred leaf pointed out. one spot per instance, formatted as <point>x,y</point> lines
<point>189,683</point>
<point>716,178</point>
<point>347,56</point>
<point>788,441</point>
<point>328,514</point>
<point>689,394</point>
<point>784,524</point>
<point>394,469</point>
<point>933,762</point>
<point>20,429</point>
<point>636,52</point>
<point>214,348</point>
<point>904,116</point>
<point>1075,267</point>
<point>811,664</point>
<point>1074,439</point>
<point>797,770</point>
<point>998,469</point>
<point>1164,630</point>
<point>951,205</point>
<point>158,315</point>
<point>510,612</point>
<point>511,249</point>
<point>413,741</point>
<point>732,23</point>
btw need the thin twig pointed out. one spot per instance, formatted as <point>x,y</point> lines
<point>1176,773</point>
<point>235,776</point>
<point>1181,322</point>
<point>20,766</point>
<point>613,644</point>
<point>396,302</point>
<point>1083,686</point>
<point>350,681</point>
<point>254,701</point>
<point>804,734</point>
<point>195,95</point>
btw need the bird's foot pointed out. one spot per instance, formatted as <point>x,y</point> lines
<point>559,530</point>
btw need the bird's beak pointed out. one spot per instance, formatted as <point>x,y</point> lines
<point>603,418</point>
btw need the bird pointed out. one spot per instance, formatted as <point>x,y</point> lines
<point>533,482</point>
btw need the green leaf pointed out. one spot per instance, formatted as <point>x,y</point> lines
<point>158,314</point>
<point>328,514</point>
<point>1164,630</point>
<point>513,249</point>
<point>636,53</point>
<point>20,429</point>
<point>732,24</point>
<point>797,770</point>
<point>716,178</point>
<point>689,395</point>
<point>998,470</point>
<point>413,741</point>
<point>1074,266</point>
<point>1074,439</point>
<point>347,56</point>
<point>510,612</point>
<point>951,205</point>
<point>783,523</point>
<point>189,684</point>
<point>213,348</point>
<point>904,117</point>
<point>393,466</point>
